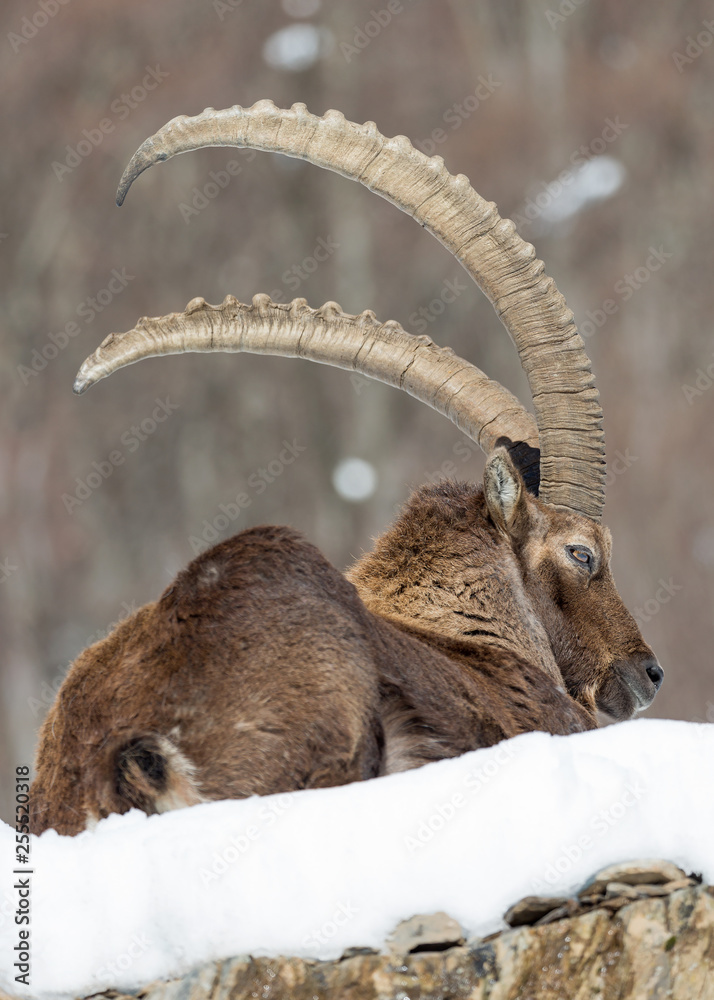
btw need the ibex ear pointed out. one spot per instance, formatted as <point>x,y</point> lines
<point>505,493</point>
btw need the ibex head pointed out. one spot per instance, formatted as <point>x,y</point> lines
<point>510,570</point>
<point>504,592</point>
<point>564,560</point>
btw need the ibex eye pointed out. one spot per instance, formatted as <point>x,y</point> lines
<point>580,554</point>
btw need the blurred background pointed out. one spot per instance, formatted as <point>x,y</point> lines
<point>589,124</point>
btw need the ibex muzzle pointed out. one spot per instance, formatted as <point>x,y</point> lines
<point>481,613</point>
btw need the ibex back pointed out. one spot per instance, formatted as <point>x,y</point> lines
<point>482,613</point>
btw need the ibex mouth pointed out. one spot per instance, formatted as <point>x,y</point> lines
<point>643,699</point>
<point>644,681</point>
<point>631,688</point>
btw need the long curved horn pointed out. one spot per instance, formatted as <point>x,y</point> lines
<point>568,413</point>
<point>479,406</point>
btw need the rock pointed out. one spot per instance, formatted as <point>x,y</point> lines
<point>650,872</point>
<point>666,889</point>
<point>614,903</point>
<point>680,883</point>
<point>622,889</point>
<point>533,908</point>
<point>568,909</point>
<point>590,901</point>
<point>652,947</point>
<point>352,952</point>
<point>612,888</point>
<point>433,932</point>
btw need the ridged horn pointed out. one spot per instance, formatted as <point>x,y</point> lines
<point>479,406</point>
<point>568,413</point>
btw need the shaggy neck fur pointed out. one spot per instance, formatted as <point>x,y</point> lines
<point>444,542</point>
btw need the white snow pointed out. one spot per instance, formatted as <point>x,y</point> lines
<point>297,47</point>
<point>597,179</point>
<point>354,479</point>
<point>315,872</point>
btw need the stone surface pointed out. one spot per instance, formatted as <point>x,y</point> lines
<point>432,932</point>
<point>610,889</point>
<point>650,949</point>
<point>571,908</point>
<point>622,889</point>
<point>666,889</point>
<point>650,872</point>
<point>533,908</point>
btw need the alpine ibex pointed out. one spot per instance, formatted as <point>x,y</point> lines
<point>483,612</point>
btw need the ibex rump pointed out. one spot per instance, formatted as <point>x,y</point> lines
<point>482,613</point>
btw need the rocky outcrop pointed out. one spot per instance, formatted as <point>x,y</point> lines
<point>611,889</point>
<point>640,931</point>
<point>637,931</point>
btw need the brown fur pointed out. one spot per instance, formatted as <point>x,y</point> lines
<point>262,669</point>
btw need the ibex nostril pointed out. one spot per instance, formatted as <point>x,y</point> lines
<point>655,673</point>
